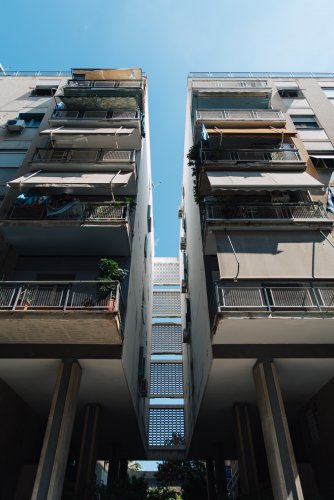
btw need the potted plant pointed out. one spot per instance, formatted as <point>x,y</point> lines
<point>109,275</point>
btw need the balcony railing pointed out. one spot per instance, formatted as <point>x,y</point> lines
<point>83,155</point>
<point>73,211</point>
<point>307,210</point>
<point>251,155</point>
<point>229,84</point>
<point>275,298</point>
<point>60,296</point>
<point>117,114</point>
<point>105,83</point>
<point>240,114</point>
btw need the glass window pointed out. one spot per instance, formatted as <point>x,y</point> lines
<point>290,93</point>
<point>305,121</point>
<point>32,120</point>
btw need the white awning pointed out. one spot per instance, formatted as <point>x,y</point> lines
<point>274,254</point>
<point>262,180</point>
<point>72,179</point>
<point>88,131</point>
<point>323,157</point>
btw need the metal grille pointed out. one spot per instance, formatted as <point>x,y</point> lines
<point>164,425</point>
<point>166,303</point>
<point>240,297</point>
<point>166,379</point>
<point>124,114</point>
<point>291,297</point>
<point>327,296</point>
<point>166,338</point>
<point>116,155</point>
<point>166,273</point>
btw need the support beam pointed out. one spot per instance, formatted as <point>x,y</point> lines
<point>53,460</point>
<point>123,469</point>
<point>113,471</point>
<point>87,461</point>
<point>210,480</point>
<point>281,460</point>
<point>220,476</point>
<point>245,450</point>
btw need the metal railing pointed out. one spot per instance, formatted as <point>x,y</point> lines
<point>60,296</point>
<point>230,84</point>
<point>105,84</point>
<point>275,298</point>
<point>117,114</point>
<point>251,155</point>
<point>239,114</point>
<point>83,155</point>
<point>259,74</point>
<point>307,210</point>
<point>79,211</point>
<point>7,72</point>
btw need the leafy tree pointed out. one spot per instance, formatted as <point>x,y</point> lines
<point>189,474</point>
<point>161,493</point>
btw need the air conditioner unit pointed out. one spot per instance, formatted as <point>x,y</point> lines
<point>183,243</point>
<point>186,335</point>
<point>143,387</point>
<point>184,286</point>
<point>15,125</point>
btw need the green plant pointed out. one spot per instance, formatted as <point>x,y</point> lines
<point>109,274</point>
<point>194,161</point>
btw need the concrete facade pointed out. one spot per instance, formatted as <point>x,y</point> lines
<point>83,141</point>
<point>254,294</point>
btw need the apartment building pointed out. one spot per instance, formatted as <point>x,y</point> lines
<point>76,260</point>
<point>258,260</point>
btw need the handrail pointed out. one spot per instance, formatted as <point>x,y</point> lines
<point>282,297</point>
<point>306,210</point>
<point>259,74</point>
<point>249,155</point>
<point>87,155</point>
<point>116,114</point>
<point>60,295</point>
<point>237,114</point>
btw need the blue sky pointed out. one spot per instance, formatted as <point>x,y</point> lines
<point>168,39</point>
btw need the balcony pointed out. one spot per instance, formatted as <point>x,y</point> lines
<point>240,118</point>
<point>305,213</point>
<point>238,313</point>
<point>241,85</point>
<point>255,158</point>
<point>116,117</point>
<point>74,228</point>
<point>60,313</point>
<point>103,94</point>
<point>89,159</point>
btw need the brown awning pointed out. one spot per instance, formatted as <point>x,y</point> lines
<point>260,181</point>
<point>71,179</point>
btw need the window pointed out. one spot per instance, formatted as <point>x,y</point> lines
<point>32,120</point>
<point>329,92</point>
<point>290,93</point>
<point>305,121</point>
<point>44,90</point>
<point>323,162</point>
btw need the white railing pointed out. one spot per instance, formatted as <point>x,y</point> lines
<point>265,211</point>
<point>63,296</point>
<point>230,84</point>
<point>239,114</point>
<point>105,84</point>
<point>251,155</point>
<point>83,155</point>
<point>275,298</point>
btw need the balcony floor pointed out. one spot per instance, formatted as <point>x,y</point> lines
<point>57,327</point>
<point>48,237</point>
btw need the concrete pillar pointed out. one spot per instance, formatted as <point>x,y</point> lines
<point>284,476</point>
<point>113,471</point>
<point>210,480</point>
<point>53,460</point>
<point>123,469</point>
<point>87,460</point>
<point>220,477</point>
<point>245,450</point>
